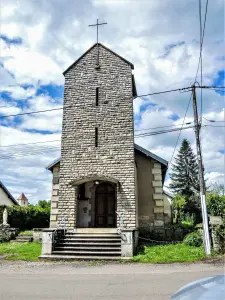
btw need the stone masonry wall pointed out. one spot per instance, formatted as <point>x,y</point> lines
<point>114,156</point>
<point>55,197</point>
<point>158,195</point>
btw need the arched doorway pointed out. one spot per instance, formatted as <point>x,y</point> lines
<point>105,205</point>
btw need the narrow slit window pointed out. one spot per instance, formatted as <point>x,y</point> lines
<point>96,136</point>
<point>96,97</point>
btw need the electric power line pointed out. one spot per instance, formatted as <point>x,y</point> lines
<point>162,131</point>
<point>164,92</point>
<point>161,127</point>
<point>38,152</point>
<point>213,121</point>
<point>42,150</point>
<point>200,57</point>
<point>33,112</point>
<point>178,137</point>
<point>202,39</point>
<point>25,144</point>
<point>202,34</point>
<point>157,93</point>
<point>200,30</point>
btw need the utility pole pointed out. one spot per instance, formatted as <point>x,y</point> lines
<point>207,244</point>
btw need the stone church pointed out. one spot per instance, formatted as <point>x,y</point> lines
<point>106,189</point>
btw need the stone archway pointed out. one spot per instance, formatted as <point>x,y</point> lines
<point>105,205</point>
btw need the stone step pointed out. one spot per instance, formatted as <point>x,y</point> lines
<point>25,236</point>
<point>68,241</point>
<point>21,241</point>
<point>81,257</point>
<point>24,239</point>
<point>85,235</point>
<point>87,248</point>
<point>96,244</point>
<point>77,252</point>
<point>96,230</point>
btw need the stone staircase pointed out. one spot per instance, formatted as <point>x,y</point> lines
<point>23,238</point>
<point>91,245</point>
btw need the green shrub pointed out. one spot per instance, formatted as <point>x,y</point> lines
<point>193,239</point>
<point>2,207</point>
<point>27,217</point>
<point>216,205</point>
<point>219,238</point>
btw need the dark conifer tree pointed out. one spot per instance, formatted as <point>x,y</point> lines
<point>185,180</point>
<point>184,173</point>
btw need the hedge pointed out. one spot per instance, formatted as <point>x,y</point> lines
<point>26,217</point>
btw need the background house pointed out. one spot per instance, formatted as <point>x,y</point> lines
<point>5,197</point>
<point>22,200</point>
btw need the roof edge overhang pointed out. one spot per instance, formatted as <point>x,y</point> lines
<point>138,148</point>
<point>51,166</point>
<point>8,193</point>
<point>151,155</point>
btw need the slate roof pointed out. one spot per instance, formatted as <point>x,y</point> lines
<point>8,193</point>
<point>136,147</point>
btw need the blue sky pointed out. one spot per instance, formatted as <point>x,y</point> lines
<point>39,41</point>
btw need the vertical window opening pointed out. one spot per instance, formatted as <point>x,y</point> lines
<point>96,136</point>
<point>96,98</point>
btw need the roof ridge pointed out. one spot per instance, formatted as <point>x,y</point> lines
<point>95,44</point>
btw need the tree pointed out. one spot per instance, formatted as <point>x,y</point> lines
<point>44,204</point>
<point>178,204</point>
<point>185,181</point>
<point>184,175</point>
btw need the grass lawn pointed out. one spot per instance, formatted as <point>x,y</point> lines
<point>21,251</point>
<point>28,232</point>
<point>169,253</point>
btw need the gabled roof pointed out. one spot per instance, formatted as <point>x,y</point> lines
<point>129,63</point>
<point>55,162</point>
<point>22,197</point>
<point>150,154</point>
<point>136,147</point>
<point>8,193</point>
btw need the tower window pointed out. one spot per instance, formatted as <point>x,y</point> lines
<point>96,136</point>
<point>96,96</point>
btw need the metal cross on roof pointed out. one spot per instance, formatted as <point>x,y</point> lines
<point>98,24</point>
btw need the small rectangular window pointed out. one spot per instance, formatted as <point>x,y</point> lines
<point>96,136</point>
<point>96,97</point>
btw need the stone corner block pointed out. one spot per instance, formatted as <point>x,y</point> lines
<point>157,183</point>
<point>47,241</point>
<point>159,203</point>
<point>158,210</point>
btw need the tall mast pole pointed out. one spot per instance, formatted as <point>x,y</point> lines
<point>207,244</point>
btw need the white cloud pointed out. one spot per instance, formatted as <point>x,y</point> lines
<point>29,67</point>
<point>18,92</point>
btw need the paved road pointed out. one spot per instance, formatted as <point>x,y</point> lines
<point>86,281</point>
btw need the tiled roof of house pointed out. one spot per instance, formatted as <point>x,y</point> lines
<point>22,197</point>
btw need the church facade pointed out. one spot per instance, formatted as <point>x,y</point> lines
<point>103,181</point>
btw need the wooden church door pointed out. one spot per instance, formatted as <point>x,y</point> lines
<point>105,206</point>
